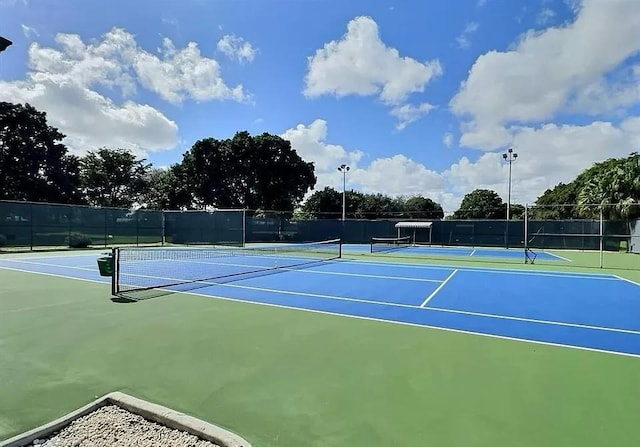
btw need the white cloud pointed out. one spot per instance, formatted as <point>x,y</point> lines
<point>394,175</point>
<point>545,16</point>
<point>463,39</point>
<point>309,142</point>
<point>398,175</point>
<point>63,83</point>
<point>236,47</point>
<point>91,120</point>
<point>29,31</point>
<point>546,72</point>
<point>184,73</point>
<point>547,155</point>
<point>447,139</point>
<point>361,64</point>
<point>408,113</point>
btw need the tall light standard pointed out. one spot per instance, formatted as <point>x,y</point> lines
<point>344,169</point>
<point>509,157</point>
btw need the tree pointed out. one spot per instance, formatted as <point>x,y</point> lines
<point>34,165</point>
<point>610,182</point>
<point>516,211</point>
<point>113,177</point>
<point>323,204</point>
<point>419,207</point>
<point>327,204</point>
<point>614,181</point>
<point>161,190</point>
<point>481,204</point>
<point>557,202</point>
<point>262,172</point>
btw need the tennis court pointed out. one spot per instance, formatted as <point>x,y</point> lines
<point>466,252</point>
<point>579,310</point>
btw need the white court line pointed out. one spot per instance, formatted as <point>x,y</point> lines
<point>45,306</point>
<point>473,253</point>
<point>55,275</point>
<point>424,303</point>
<point>557,256</point>
<point>549,273</point>
<point>411,306</point>
<point>379,320</point>
<point>621,278</point>
<point>213,283</point>
<point>310,270</point>
<point>534,320</point>
<point>90,268</point>
<point>50,265</point>
<point>416,325</point>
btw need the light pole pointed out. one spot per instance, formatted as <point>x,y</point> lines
<point>344,169</point>
<point>509,157</point>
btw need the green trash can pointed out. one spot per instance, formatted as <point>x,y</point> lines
<point>105,265</point>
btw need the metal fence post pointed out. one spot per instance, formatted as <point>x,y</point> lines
<point>601,237</point>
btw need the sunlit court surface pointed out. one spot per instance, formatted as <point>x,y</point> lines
<point>344,342</point>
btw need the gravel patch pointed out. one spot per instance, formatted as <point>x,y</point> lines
<point>112,426</point>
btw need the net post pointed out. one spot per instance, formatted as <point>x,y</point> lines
<point>339,248</point>
<point>162,220</point>
<point>244,227</point>
<point>114,273</point>
<point>601,236</point>
<point>106,228</point>
<point>31,227</point>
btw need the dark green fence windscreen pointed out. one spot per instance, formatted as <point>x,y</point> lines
<point>48,225</point>
<point>31,225</point>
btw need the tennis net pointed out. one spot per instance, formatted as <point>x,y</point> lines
<point>379,244</point>
<point>180,269</point>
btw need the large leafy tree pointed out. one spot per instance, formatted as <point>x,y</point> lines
<point>113,177</point>
<point>557,202</point>
<point>613,182</point>
<point>161,189</point>
<point>419,207</point>
<point>327,204</point>
<point>34,164</point>
<point>481,204</point>
<point>253,172</point>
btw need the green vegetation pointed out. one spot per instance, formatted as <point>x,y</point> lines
<point>327,204</point>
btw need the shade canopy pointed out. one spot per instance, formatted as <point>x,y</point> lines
<point>413,224</point>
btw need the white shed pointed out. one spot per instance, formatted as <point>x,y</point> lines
<point>415,225</point>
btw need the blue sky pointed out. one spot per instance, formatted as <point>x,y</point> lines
<point>419,97</point>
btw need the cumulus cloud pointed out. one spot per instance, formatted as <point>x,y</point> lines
<point>408,113</point>
<point>548,155</point>
<point>361,64</point>
<point>237,48</point>
<point>547,72</point>
<point>64,82</point>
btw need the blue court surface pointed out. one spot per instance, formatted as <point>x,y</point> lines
<point>430,250</point>
<point>588,311</point>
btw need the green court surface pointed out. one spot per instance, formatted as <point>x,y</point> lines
<point>284,377</point>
